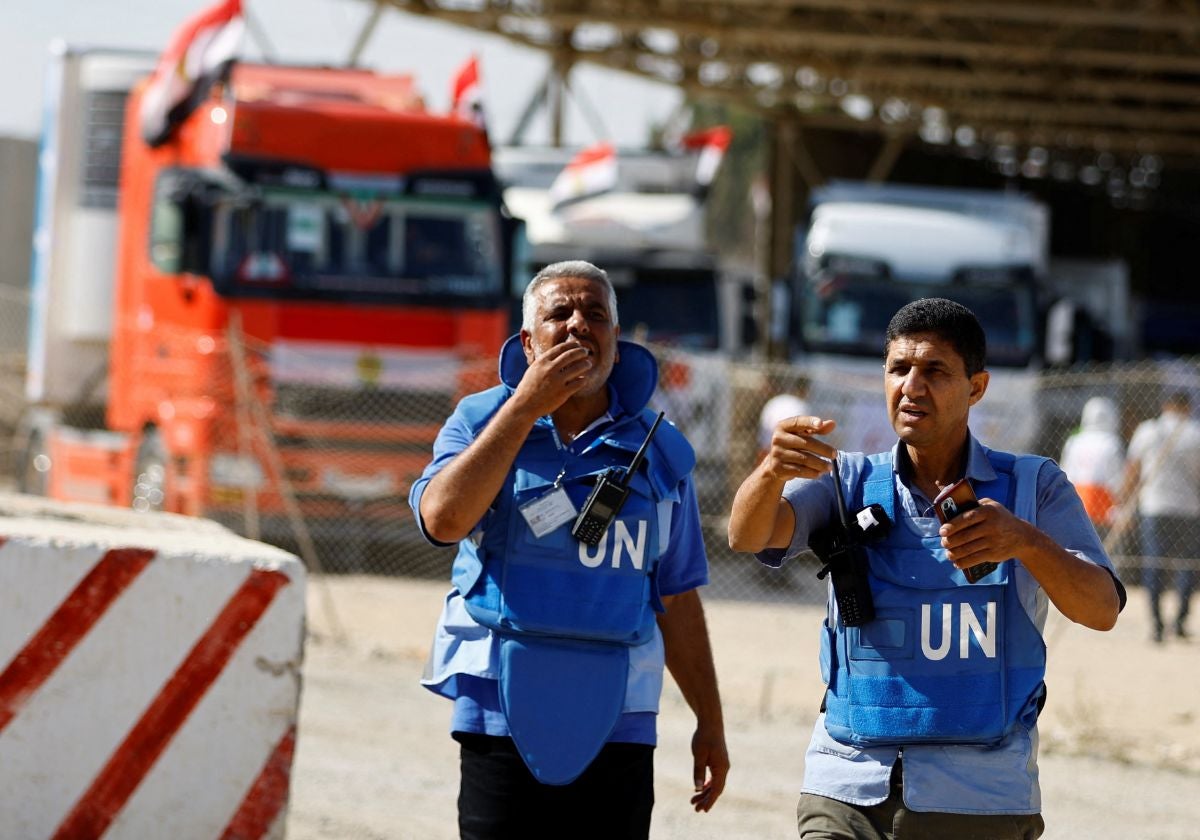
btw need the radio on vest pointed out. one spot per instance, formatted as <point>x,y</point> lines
<point>608,496</point>
<point>839,546</point>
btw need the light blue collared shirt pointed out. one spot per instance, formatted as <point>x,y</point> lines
<point>999,779</point>
<point>464,660</point>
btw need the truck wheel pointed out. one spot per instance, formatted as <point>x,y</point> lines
<point>34,477</point>
<point>150,471</point>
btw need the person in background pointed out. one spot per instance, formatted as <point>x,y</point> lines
<point>1163,470</point>
<point>785,402</point>
<point>928,727</point>
<point>1094,460</point>
<point>552,645</point>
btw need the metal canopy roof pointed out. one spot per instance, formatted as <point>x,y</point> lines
<point>1067,76</point>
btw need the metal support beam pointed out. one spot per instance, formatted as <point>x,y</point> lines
<point>536,103</point>
<point>590,113</point>
<point>557,101</point>
<point>364,35</point>
<point>887,157</point>
<point>805,164</point>
<point>1068,75</point>
<point>259,35</point>
<point>562,62</point>
<point>785,152</point>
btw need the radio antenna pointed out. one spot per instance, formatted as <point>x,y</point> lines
<point>837,490</point>
<point>641,453</point>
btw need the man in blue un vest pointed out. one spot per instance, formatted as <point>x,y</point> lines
<point>929,724</point>
<point>551,646</point>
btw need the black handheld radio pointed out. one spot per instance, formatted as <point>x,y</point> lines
<point>839,546</point>
<point>609,494</point>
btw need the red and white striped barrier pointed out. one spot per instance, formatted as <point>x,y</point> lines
<point>149,679</point>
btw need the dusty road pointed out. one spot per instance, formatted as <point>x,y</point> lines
<point>1120,735</point>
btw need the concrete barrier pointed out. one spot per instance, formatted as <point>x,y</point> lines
<point>149,676</point>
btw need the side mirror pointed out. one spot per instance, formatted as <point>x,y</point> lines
<point>520,257</point>
<point>748,318</point>
<point>196,212</point>
<point>181,225</point>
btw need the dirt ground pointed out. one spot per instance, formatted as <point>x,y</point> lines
<point>1120,753</point>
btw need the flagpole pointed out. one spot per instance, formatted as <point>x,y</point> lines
<point>259,34</point>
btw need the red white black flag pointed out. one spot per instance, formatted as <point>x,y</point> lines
<point>199,52</point>
<point>712,144</point>
<point>466,95</point>
<point>591,172</point>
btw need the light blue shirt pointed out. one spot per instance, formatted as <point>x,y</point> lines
<point>463,663</point>
<point>999,779</point>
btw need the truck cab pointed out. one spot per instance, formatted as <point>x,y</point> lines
<point>868,249</point>
<point>306,275</point>
<point>647,232</point>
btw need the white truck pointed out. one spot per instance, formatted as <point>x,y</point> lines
<point>868,249</point>
<point>648,232</point>
<point>74,247</point>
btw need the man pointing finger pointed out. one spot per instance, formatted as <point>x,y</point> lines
<point>928,727</point>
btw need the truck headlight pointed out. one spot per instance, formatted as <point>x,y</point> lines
<point>358,487</point>
<point>235,471</point>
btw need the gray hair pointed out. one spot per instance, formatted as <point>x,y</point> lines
<point>557,271</point>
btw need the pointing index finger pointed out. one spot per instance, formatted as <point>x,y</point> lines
<point>807,429</point>
<point>802,425</point>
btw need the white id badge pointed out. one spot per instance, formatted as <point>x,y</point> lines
<point>548,511</point>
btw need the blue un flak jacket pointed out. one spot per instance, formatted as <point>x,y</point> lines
<point>565,615</point>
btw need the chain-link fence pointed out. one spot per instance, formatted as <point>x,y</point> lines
<point>314,449</point>
<point>723,406</point>
<point>14,320</point>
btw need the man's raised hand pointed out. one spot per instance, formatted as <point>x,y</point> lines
<point>554,377</point>
<point>796,451</point>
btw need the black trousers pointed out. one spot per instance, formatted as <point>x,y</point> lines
<point>499,799</point>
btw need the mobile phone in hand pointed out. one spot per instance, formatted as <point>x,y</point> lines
<point>958,498</point>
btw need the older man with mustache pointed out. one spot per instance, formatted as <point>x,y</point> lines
<point>552,644</point>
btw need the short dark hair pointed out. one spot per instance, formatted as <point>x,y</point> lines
<point>946,319</point>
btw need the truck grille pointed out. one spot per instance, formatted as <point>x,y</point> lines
<point>362,406</point>
<point>104,120</point>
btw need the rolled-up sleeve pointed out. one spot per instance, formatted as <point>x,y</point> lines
<point>684,564</point>
<point>453,438</point>
<point>813,503</point>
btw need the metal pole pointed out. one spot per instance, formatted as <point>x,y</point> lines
<point>261,424</point>
<point>243,394</point>
<point>364,34</point>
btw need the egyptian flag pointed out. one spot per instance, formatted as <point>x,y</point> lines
<point>712,144</point>
<point>591,172</point>
<point>466,95</point>
<point>198,54</point>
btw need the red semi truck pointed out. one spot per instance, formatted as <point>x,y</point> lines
<point>271,311</point>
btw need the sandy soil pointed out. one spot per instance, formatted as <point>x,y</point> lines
<point>1120,735</point>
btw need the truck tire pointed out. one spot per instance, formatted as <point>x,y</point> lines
<point>150,474</point>
<point>34,474</point>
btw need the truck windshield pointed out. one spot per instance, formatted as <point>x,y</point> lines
<point>318,245</point>
<point>847,313</point>
<point>671,307</point>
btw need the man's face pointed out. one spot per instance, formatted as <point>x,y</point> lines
<point>928,391</point>
<point>574,310</point>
